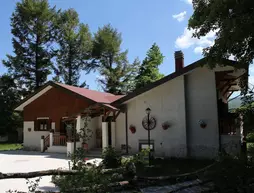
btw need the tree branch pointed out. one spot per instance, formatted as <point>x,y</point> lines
<point>52,172</point>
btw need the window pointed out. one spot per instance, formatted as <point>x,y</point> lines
<point>42,124</point>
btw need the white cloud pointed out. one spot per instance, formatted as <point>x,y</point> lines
<point>186,40</point>
<point>198,50</point>
<point>188,1</point>
<point>179,17</point>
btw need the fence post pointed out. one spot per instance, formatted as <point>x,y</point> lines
<point>42,143</point>
<point>51,139</point>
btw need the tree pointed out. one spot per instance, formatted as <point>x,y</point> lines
<point>115,70</point>
<point>149,71</point>
<point>33,33</point>
<point>9,97</point>
<point>233,21</point>
<point>75,45</point>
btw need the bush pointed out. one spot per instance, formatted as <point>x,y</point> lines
<point>250,137</point>
<point>111,159</point>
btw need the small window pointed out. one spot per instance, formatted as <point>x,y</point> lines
<point>43,125</point>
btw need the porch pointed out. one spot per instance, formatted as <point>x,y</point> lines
<point>230,123</point>
<point>102,123</point>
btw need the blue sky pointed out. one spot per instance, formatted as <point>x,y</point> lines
<point>141,22</point>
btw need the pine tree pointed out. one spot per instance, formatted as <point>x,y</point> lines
<point>111,62</point>
<point>32,25</point>
<point>75,45</point>
<point>149,71</point>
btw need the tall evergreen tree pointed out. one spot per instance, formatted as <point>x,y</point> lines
<point>149,71</point>
<point>111,62</point>
<point>75,45</point>
<point>33,34</point>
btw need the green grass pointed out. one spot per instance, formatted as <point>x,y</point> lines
<point>10,146</point>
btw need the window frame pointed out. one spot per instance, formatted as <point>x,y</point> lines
<point>42,120</point>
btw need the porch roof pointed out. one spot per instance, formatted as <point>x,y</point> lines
<point>96,110</point>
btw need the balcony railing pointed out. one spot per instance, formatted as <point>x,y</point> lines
<point>59,140</point>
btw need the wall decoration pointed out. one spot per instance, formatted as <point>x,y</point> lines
<point>132,129</point>
<point>165,125</point>
<point>152,123</point>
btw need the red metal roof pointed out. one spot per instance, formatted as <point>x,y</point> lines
<point>97,96</point>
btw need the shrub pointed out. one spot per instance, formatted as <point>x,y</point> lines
<point>250,137</point>
<point>111,159</point>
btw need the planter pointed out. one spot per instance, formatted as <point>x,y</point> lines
<point>165,125</point>
<point>85,146</point>
<point>132,129</point>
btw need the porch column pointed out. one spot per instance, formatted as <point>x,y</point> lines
<point>104,134</point>
<point>113,134</point>
<point>78,124</point>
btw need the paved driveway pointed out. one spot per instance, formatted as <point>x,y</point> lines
<point>24,161</point>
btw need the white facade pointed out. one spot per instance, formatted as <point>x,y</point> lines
<point>183,102</point>
<point>32,138</point>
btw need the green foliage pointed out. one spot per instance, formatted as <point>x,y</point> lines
<point>89,178</point>
<point>233,22</point>
<point>111,159</point>
<point>246,110</point>
<point>85,132</point>
<point>117,74</point>
<point>75,46</point>
<point>140,159</point>
<point>9,97</point>
<point>32,186</point>
<point>149,71</point>
<point>250,137</point>
<point>33,32</point>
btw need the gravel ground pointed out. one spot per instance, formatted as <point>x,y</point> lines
<point>24,161</point>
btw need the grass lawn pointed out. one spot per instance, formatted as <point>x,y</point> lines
<point>10,146</point>
<point>172,167</point>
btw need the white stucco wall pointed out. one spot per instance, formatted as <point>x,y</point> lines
<point>32,139</point>
<point>201,104</point>
<point>120,131</point>
<point>167,104</point>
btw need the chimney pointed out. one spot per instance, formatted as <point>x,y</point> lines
<point>179,61</point>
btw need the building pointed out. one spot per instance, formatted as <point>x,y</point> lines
<point>189,113</point>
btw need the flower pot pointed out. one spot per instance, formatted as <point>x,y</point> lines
<point>85,146</point>
<point>165,127</point>
<point>133,129</point>
<point>203,125</point>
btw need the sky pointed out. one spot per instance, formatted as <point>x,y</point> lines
<point>141,23</point>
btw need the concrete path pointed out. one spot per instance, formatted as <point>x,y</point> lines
<point>24,161</point>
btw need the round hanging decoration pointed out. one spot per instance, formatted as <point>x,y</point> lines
<point>132,129</point>
<point>152,123</point>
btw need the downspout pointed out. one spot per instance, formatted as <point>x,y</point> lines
<point>186,114</point>
<point>126,130</point>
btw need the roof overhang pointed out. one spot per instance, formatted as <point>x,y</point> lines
<point>33,97</point>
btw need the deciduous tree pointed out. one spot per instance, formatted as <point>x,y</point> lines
<point>233,21</point>
<point>9,97</point>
